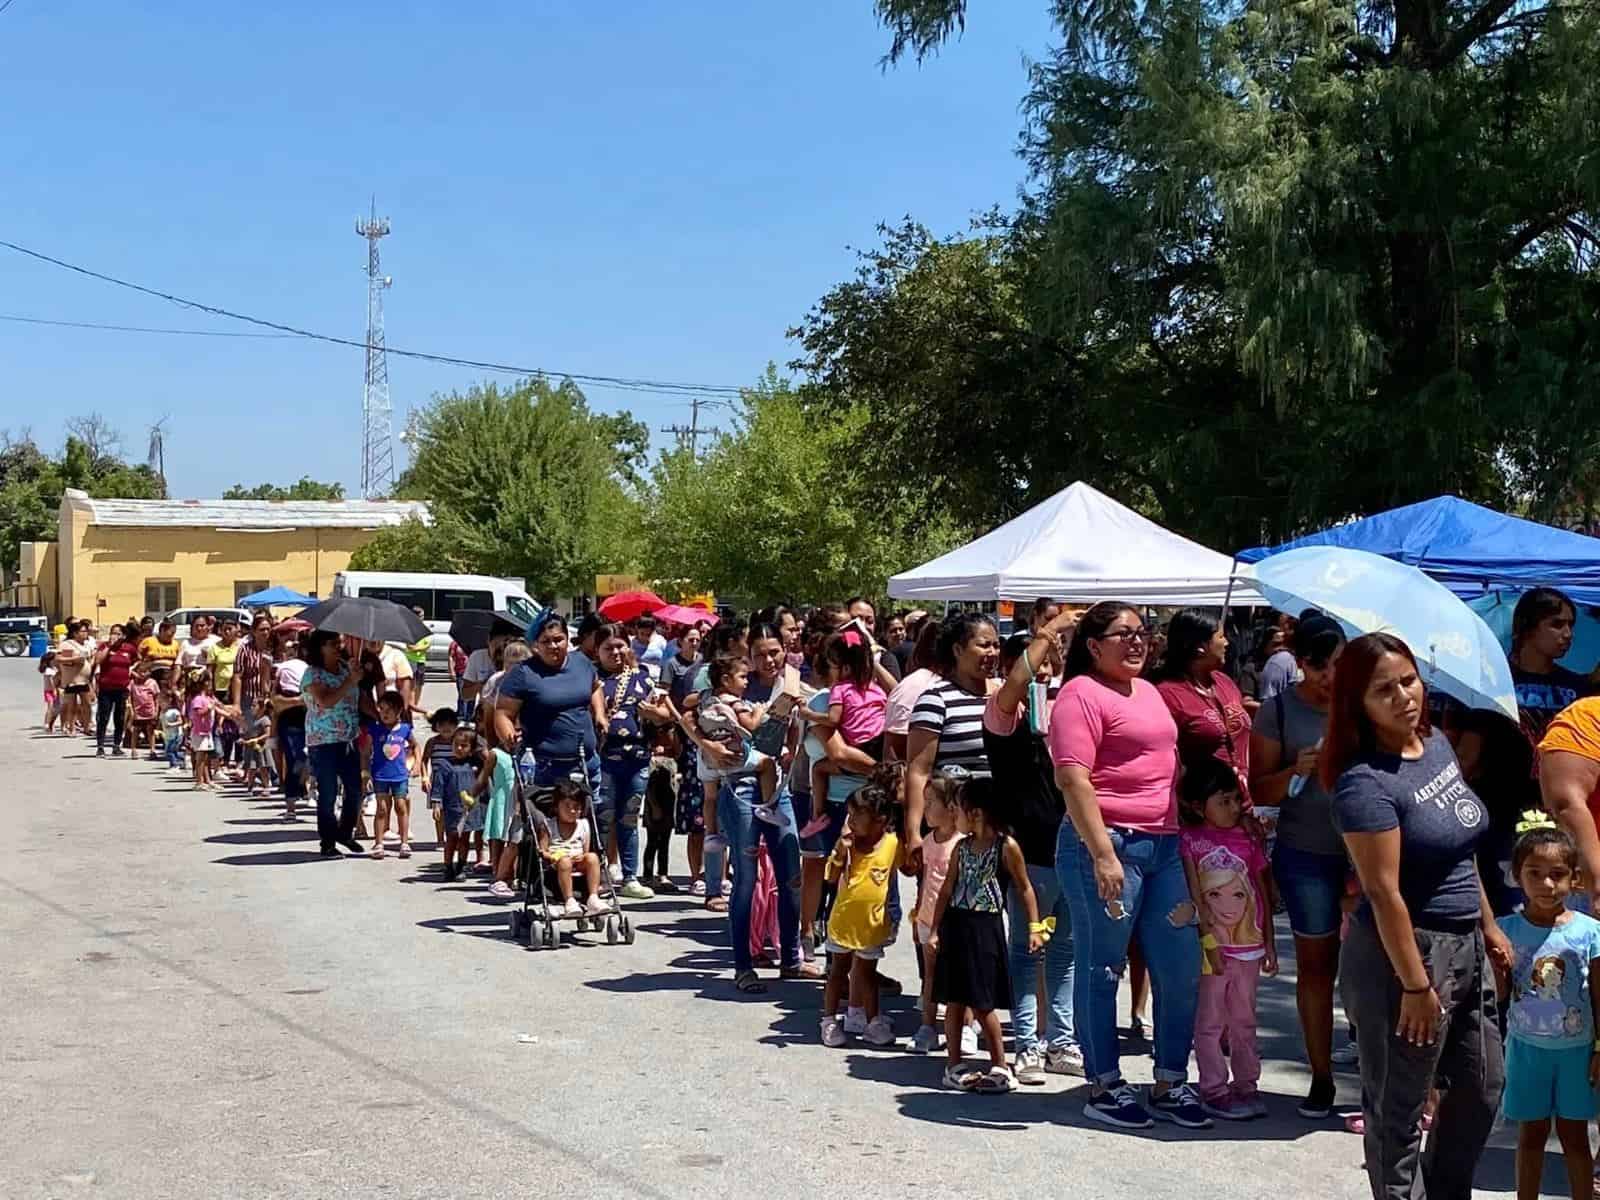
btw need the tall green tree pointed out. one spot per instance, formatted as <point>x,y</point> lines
<point>1371,225</point>
<point>778,509</point>
<point>524,481</point>
<point>305,488</point>
<point>32,483</point>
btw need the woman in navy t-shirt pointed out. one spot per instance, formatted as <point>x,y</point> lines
<point>1415,970</point>
<point>556,697</point>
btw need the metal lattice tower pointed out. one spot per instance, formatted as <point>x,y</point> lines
<point>377,415</point>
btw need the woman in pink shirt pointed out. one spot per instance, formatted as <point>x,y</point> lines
<point>1115,750</point>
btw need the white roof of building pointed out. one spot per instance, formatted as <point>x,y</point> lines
<point>248,514</point>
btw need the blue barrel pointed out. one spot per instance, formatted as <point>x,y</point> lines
<point>38,643</point>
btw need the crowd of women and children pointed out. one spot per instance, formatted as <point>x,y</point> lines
<point>1045,817</point>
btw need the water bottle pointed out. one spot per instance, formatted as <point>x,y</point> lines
<point>1298,783</point>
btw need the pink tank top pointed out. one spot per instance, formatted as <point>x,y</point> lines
<point>935,866</point>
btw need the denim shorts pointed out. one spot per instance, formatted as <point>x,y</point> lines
<point>381,788</point>
<point>1312,886</point>
<point>819,845</point>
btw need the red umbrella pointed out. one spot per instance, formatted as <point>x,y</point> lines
<point>677,614</point>
<point>625,606</point>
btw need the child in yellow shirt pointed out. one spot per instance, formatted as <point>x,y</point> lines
<point>863,864</point>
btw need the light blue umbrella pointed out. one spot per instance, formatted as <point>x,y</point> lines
<point>1366,593</point>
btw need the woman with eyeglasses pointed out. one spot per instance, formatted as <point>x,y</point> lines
<point>1115,749</point>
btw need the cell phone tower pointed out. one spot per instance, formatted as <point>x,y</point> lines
<point>377,415</point>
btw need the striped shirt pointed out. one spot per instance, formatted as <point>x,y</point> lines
<point>956,716</point>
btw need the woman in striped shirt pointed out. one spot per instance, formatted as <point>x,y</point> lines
<point>947,722</point>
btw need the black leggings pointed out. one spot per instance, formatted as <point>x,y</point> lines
<point>112,707</point>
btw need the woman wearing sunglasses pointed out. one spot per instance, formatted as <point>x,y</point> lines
<point>1115,750</point>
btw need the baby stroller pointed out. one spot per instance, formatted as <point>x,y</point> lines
<point>534,922</point>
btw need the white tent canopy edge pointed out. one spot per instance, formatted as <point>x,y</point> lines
<point>1079,546</point>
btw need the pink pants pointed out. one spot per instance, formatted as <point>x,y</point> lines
<point>1227,1006</point>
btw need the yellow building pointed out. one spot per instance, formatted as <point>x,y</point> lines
<point>119,558</point>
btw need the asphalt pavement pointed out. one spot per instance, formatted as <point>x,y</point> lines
<point>194,1005</point>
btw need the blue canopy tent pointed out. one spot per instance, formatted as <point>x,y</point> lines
<point>273,597</point>
<point>1470,549</point>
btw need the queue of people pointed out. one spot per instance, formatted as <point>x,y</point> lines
<point>1039,814</point>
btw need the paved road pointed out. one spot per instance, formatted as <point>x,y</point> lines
<point>194,1006</point>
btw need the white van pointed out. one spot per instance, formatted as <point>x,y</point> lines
<point>439,597</point>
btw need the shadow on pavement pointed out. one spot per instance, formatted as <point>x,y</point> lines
<point>275,858</point>
<point>263,837</point>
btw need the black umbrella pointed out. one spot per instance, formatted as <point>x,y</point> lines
<point>367,617</point>
<point>471,628</point>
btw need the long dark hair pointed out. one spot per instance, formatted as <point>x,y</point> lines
<point>956,633</point>
<point>851,659</point>
<point>1092,624</point>
<point>1188,634</point>
<point>763,629</point>
<point>1316,640</point>
<point>925,651</point>
<point>720,640</point>
<point>1350,732</point>
<point>314,644</point>
<point>1534,607</point>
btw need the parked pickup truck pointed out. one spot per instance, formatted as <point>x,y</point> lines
<point>16,623</point>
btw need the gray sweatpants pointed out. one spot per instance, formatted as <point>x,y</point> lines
<point>1466,1062</point>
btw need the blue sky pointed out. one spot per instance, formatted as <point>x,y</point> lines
<point>631,189</point>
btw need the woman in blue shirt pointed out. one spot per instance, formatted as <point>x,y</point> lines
<point>556,698</point>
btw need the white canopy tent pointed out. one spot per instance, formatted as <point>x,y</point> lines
<point>1078,546</point>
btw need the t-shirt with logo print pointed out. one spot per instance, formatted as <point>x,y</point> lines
<point>1440,820</point>
<point>389,752</point>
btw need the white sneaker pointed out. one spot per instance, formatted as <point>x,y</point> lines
<point>1030,1066</point>
<point>879,1032</point>
<point>501,890</point>
<point>634,890</point>
<point>596,906</point>
<point>1063,1060</point>
<point>969,1042</point>
<point>833,1035</point>
<point>572,909</point>
<point>855,1021</point>
<point>925,1040</point>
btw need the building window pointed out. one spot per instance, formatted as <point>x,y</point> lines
<point>248,587</point>
<point>161,596</point>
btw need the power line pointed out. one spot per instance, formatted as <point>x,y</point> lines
<point>7,5</point>
<point>657,386</point>
<point>221,333</point>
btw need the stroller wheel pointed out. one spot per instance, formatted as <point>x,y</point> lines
<point>611,931</point>
<point>627,931</point>
<point>552,939</point>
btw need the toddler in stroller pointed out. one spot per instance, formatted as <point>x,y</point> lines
<point>564,848</point>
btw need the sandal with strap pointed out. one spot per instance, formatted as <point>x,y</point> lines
<point>750,983</point>
<point>803,970</point>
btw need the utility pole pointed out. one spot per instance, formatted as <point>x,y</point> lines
<point>377,416</point>
<point>689,435</point>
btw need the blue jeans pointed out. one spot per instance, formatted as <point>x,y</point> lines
<point>547,772</point>
<point>622,788</point>
<point>1055,958</point>
<point>736,804</point>
<point>174,748</point>
<point>292,741</point>
<point>1153,888</point>
<point>333,765</point>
